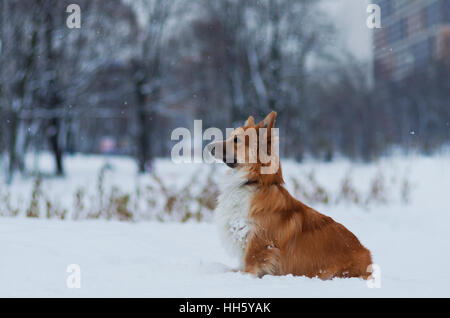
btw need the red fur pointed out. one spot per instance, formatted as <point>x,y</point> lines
<point>289,237</point>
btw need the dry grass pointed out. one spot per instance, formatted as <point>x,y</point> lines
<point>194,201</point>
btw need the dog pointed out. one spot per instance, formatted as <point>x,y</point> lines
<point>270,231</point>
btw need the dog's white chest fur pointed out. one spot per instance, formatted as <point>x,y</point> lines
<point>231,214</point>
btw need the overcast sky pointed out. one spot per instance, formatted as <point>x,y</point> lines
<point>350,19</point>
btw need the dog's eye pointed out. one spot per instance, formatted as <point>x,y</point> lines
<point>236,139</point>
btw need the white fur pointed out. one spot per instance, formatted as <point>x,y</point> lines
<point>231,214</point>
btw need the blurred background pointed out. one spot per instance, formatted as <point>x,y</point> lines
<point>135,70</point>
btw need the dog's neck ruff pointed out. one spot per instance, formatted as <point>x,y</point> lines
<point>231,214</point>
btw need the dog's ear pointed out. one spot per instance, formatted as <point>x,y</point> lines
<point>269,121</point>
<point>250,122</point>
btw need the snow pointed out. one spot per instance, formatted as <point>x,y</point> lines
<point>154,259</point>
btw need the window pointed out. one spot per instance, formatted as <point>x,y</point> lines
<point>414,23</point>
<point>397,31</point>
<point>422,52</point>
<point>380,38</point>
<point>447,11</point>
<point>386,7</point>
<point>433,14</point>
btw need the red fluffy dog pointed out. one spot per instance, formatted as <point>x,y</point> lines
<point>270,231</point>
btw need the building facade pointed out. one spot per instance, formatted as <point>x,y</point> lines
<point>414,34</point>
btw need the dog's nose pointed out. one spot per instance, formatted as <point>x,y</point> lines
<point>213,151</point>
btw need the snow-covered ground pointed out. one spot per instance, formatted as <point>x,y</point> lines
<point>410,242</point>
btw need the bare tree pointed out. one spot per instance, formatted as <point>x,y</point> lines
<point>19,58</point>
<point>147,72</point>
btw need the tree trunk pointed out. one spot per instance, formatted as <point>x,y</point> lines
<point>53,98</point>
<point>143,151</point>
<point>55,145</point>
<point>12,138</point>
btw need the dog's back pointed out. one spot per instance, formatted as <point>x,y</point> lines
<point>289,237</point>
